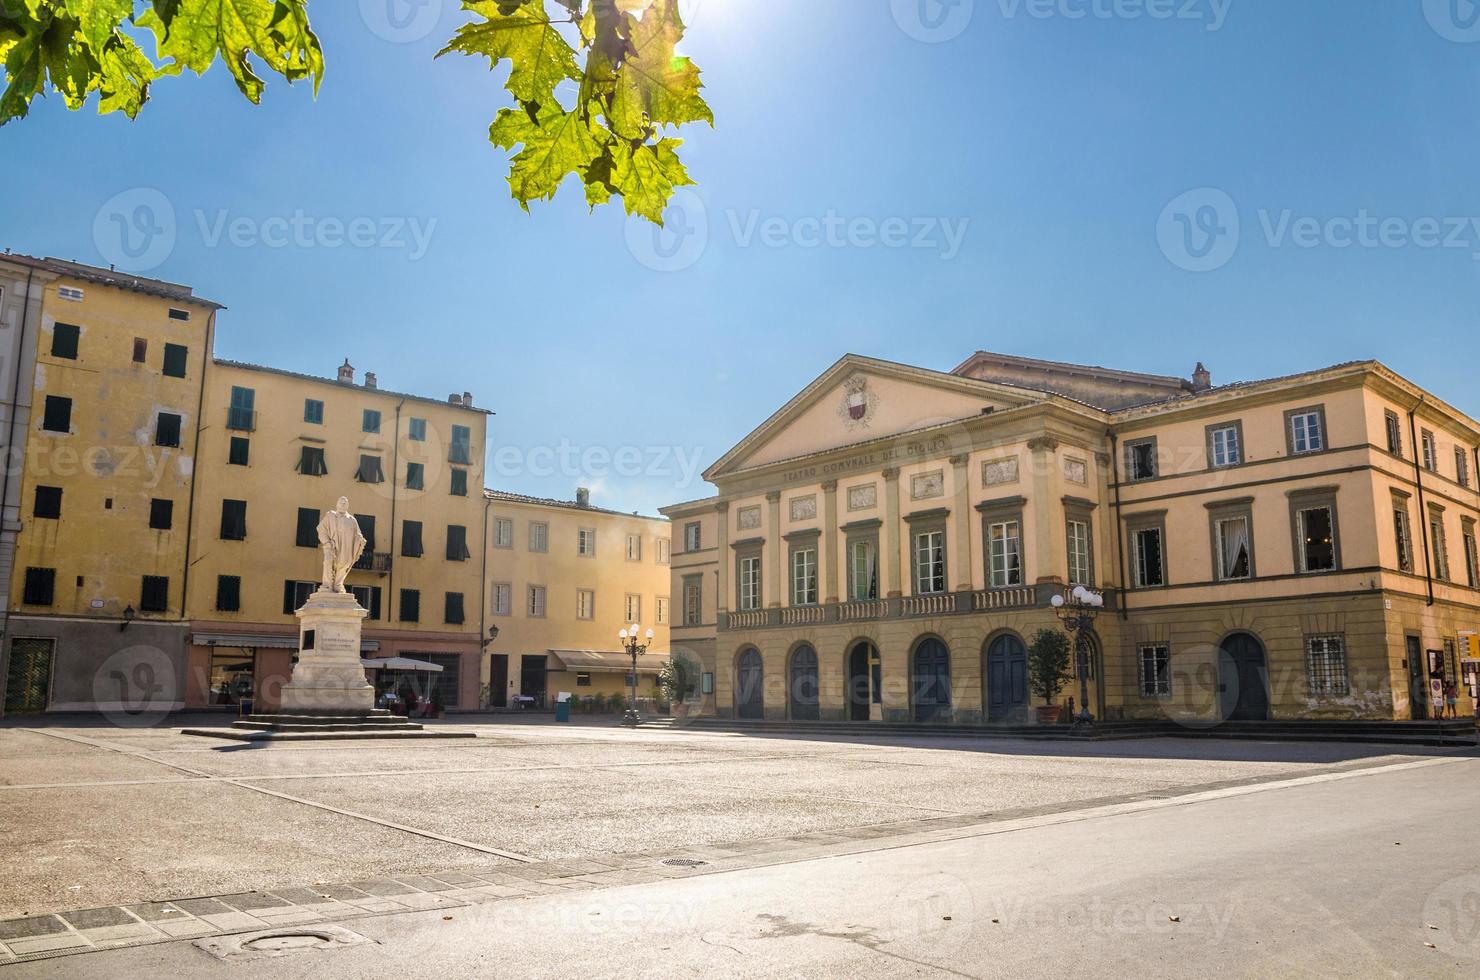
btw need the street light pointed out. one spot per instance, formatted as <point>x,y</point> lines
<point>634,648</point>
<point>1078,613</point>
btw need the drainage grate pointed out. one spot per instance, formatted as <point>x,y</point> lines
<point>279,942</point>
<point>684,863</point>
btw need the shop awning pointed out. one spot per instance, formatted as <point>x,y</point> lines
<point>604,661</point>
<point>263,641</point>
<point>399,663</point>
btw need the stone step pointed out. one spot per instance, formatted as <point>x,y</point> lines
<point>262,726</point>
<point>327,719</point>
<point>241,735</point>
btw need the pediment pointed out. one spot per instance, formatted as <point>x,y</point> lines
<point>858,399</point>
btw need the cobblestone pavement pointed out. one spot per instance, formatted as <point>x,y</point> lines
<point>119,837</point>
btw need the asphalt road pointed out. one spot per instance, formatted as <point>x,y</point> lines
<point>1372,873</point>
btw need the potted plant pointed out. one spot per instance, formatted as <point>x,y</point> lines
<point>676,682</point>
<point>1048,670</point>
<point>437,706</point>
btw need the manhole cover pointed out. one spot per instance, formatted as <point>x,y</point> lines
<point>279,942</point>
<point>684,863</point>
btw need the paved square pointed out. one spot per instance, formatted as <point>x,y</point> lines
<point>101,817</point>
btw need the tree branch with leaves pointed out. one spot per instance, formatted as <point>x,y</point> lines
<point>629,89</point>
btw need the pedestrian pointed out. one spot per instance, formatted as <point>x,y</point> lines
<point>1451,696</point>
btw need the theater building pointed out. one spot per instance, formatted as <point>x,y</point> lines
<point>886,544</point>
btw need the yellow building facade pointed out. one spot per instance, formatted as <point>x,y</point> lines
<point>564,578</point>
<point>886,545</point>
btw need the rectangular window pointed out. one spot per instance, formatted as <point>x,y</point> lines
<point>369,420</point>
<point>804,577</point>
<point>632,608</point>
<point>313,411</point>
<point>503,532</point>
<point>1005,547</point>
<point>1307,431</point>
<point>57,416</point>
<point>167,430</point>
<point>1140,459</point>
<point>161,514</point>
<point>411,539</point>
<point>414,476</point>
<point>586,542</point>
<point>295,594</point>
<point>660,610</point>
<point>368,596</point>
<point>241,414</point>
<point>1156,670</point>
<point>535,602</point>
<point>664,550</point>
<point>311,461</point>
<point>410,606</point>
<point>460,450</point>
<point>1316,534</point>
<point>228,593</point>
<point>749,583</point>
<point>459,483</point>
<point>1149,557</point>
<point>634,547</point>
<point>1430,452</point>
<point>457,543</point>
<point>1081,571</point>
<point>1472,558</point>
<point>452,613</point>
<point>539,536</point>
<point>1461,466</point>
<point>141,350</point>
<point>72,293</point>
<point>416,429</point>
<point>48,503</point>
<point>367,528</point>
<point>1394,433</point>
<point>64,340</point>
<point>691,536</point>
<point>1226,445</point>
<point>369,470</point>
<point>863,569</point>
<point>1234,541</point>
<point>178,314</point>
<point>40,587</point>
<point>585,604</point>
<point>693,600</point>
<point>307,533</point>
<point>1439,545</point>
<point>930,562</point>
<point>1404,535</point>
<point>233,520</point>
<point>503,597</point>
<point>154,594</point>
<point>176,358</point>
<point>240,451</point>
<point>1325,665</point>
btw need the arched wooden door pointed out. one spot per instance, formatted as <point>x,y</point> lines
<point>1007,678</point>
<point>932,680</point>
<point>863,680</point>
<point>1243,679</point>
<point>802,690</point>
<point>750,685</point>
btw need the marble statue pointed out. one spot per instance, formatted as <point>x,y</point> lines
<point>343,542</point>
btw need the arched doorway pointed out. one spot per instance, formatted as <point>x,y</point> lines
<point>863,680</point>
<point>1007,678</point>
<point>932,680</point>
<point>1243,679</point>
<point>750,677</point>
<point>801,688</point>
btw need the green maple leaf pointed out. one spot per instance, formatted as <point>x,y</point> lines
<point>555,144</point>
<point>276,32</point>
<point>654,86</point>
<point>646,175</point>
<point>539,57</point>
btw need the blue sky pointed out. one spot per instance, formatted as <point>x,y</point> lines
<point>1010,175</point>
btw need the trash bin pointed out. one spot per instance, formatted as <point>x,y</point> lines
<point>562,706</point>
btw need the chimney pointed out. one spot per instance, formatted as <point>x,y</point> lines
<point>583,497</point>
<point>369,379</point>
<point>467,399</point>
<point>346,373</point>
<point>1201,379</point>
<point>454,399</point>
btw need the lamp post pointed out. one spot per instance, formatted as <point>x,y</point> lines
<point>633,647</point>
<point>1078,614</point>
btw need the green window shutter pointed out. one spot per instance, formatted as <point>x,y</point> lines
<point>64,340</point>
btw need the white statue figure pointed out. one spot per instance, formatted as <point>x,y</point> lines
<point>340,535</point>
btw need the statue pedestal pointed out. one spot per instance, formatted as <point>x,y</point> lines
<point>329,678</point>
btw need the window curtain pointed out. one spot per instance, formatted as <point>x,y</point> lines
<point>1235,549</point>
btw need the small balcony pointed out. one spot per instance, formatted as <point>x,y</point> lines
<point>374,561</point>
<point>899,607</point>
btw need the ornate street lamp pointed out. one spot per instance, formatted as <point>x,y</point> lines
<point>634,648</point>
<point>1078,614</point>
